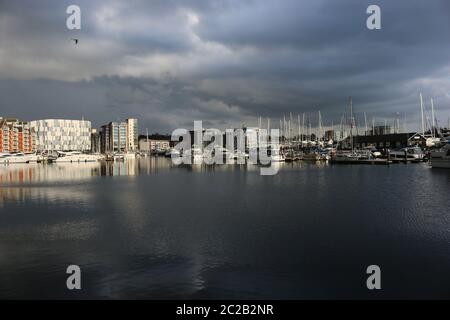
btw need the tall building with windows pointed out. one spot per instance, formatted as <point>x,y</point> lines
<point>119,136</point>
<point>132,134</point>
<point>95,141</point>
<point>16,136</point>
<point>62,135</point>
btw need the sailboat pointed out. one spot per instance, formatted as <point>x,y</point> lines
<point>354,156</point>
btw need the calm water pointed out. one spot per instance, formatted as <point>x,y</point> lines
<point>145,229</point>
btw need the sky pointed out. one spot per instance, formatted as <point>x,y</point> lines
<point>225,62</point>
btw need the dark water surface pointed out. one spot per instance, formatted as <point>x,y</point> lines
<point>145,229</point>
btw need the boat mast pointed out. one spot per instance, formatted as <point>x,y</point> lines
<point>320,126</point>
<point>281,130</point>
<point>421,111</point>
<point>365,122</point>
<point>351,123</point>
<point>303,126</point>
<point>291,126</point>
<point>433,122</point>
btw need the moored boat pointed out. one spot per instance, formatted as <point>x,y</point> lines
<point>440,158</point>
<point>76,156</point>
<point>407,154</point>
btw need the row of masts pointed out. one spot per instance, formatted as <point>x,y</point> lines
<point>427,125</point>
<point>301,129</point>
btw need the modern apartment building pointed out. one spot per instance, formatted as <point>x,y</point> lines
<point>95,141</point>
<point>16,136</point>
<point>132,134</point>
<point>119,136</point>
<point>62,135</point>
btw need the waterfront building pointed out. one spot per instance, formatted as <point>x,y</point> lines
<point>152,145</point>
<point>132,134</point>
<point>113,137</point>
<point>380,130</point>
<point>16,136</point>
<point>390,141</point>
<point>119,136</point>
<point>62,135</point>
<point>95,141</point>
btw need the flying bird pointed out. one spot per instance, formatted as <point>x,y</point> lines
<point>75,41</point>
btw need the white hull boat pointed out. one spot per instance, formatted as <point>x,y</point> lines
<point>12,158</point>
<point>76,157</point>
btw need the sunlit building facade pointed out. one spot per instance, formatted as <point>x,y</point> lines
<point>132,134</point>
<point>62,135</point>
<point>16,136</point>
<point>119,136</point>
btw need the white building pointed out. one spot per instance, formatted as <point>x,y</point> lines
<point>132,134</point>
<point>62,135</point>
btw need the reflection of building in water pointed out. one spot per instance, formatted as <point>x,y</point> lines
<point>62,135</point>
<point>57,172</point>
<point>54,193</point>
<point>125,168</point>
<point>16,136</point>
<point>17,173</point>
<point>60,172</point>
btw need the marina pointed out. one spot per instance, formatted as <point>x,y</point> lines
<point>146,228</point>
<point>224,158</point>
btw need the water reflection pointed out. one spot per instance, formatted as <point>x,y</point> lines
<point>222,231</point>
<point>62,172</point>
<point>71,182</point>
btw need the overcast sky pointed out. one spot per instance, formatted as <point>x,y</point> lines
<point>225,62</point>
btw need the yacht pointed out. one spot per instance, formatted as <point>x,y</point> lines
<point>311,156</point>
<point>440,158</point>
<point>276,155</point>
<point>10,158</point>
<point>32,157</point>
<point>411,154</point>
<point>76,156</point>
<point>357,157</point>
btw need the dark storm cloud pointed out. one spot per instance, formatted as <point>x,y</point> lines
<point>224,62</point>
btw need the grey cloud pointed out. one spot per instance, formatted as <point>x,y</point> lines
<point>225,62</point>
